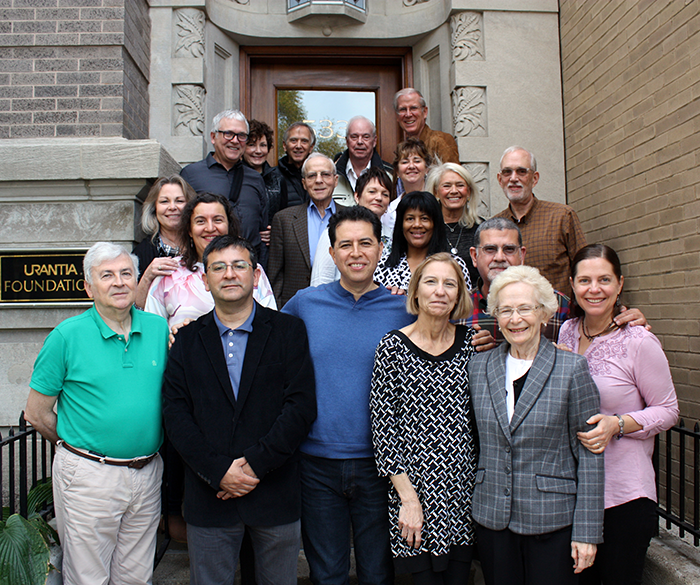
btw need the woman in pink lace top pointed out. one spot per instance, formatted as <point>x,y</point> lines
<point>182,295</point>
<point>637,401</point>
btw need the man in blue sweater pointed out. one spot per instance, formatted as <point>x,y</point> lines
<point>345,321</point>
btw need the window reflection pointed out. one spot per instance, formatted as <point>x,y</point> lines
<point>327,112</point>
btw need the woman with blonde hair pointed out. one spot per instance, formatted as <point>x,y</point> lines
<point>422,427</point>
<point>458,195</point>
<point>160,220</point>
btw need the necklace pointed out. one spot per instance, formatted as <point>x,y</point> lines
<point>454,248</point>
<point>612,326</point>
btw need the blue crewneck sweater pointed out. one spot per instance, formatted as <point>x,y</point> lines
<point>343,335</point>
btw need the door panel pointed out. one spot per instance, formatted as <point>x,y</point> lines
<point>383,71</point>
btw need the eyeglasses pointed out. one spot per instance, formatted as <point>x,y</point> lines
<point>221,267</point>
<point>325,175</point>
<point>520,171</point>
<point>493,250</point>
<point>403,110</point>
<point>356,137</point>
<point>522,310</point>
<point>228,135</point>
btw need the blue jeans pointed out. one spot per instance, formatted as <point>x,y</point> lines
<point>337,495</point>
<point>214,553</point>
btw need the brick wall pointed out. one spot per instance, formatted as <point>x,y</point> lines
<point>74,68</point>
<point>631,74</point>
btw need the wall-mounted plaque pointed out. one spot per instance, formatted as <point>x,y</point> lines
<point>42,277</point>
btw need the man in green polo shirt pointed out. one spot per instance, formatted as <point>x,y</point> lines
<point>103,370</point>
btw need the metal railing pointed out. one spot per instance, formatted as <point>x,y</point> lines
<point>677,461</point>
<point>25,460</point>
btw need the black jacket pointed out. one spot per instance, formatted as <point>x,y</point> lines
<point>296,194</point>
<point>272,415</point>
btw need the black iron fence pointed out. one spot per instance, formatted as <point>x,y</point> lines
<point>677,465</point>
<point>25,460</point>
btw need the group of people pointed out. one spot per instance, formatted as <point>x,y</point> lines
<point>434,388</point>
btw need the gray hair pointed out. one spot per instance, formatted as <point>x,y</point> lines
<point>544,293</point>
<point>354,119</point>
<point>533,162</point>
<point>406,91</point>
<point>317,155</point>
<point>499,224</point>
<point>228,115</point>
<point>298,125</point>
<point>470,215</point>
<point>104,252</point>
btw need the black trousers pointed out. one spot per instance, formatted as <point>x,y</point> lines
<point>508,558</point>
<point>627,530</point>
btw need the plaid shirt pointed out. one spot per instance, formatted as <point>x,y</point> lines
<point>488,323</point>
<point>552,235</point>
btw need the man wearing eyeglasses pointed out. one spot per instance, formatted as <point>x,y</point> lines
<point>360,155</point>
<point>411,114</point>
<point>551,231</point>
<point>296,230</point>
<point>223,172</point>
<point>239,398</point>
<point>499,245</point>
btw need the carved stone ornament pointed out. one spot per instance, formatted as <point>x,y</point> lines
<point>241,1</point>
<point>467,36</point>
<point>469,107</point>
<point>480,174</point>
<point>188,109</point>
<point>189,24</point>
<point>413,2</point>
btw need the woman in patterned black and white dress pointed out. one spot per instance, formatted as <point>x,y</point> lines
<point>419,232</point>
<point>422,427</point>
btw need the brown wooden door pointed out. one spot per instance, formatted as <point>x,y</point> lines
<point>382,70</point>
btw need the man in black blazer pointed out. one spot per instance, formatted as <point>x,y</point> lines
<point>239,397</point>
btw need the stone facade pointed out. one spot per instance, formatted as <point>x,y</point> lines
<point>74,68</point>
<point>90,74</point>
<point>632,129</point>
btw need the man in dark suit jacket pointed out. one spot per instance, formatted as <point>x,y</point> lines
<point>239,397</point>
<point>296,230</point>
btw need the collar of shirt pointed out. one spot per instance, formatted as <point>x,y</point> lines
<point>234,343</point>
<point>350,172</point>
<point>246,326</point>
<point>316,224</point>
<point>529,213</point>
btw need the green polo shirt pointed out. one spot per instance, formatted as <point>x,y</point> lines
<point>109,390</point>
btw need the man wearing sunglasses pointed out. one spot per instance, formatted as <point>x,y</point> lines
<point>223,172</point>
<point>551,231</point>
<point>239,398</point>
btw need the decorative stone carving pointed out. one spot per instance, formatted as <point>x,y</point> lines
<point>413,2</point>
<point>241,1</point>
<point>188,110</point>
<point>480,174</point>
<point>467,36</point>
<point>469,107</point>
<point>189,24</point>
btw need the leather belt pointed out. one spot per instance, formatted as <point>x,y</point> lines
<point>137,463</point>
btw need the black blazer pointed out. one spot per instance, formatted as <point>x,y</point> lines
<point>210,428</point>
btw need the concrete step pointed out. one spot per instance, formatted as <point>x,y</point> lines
<point>670,561</point>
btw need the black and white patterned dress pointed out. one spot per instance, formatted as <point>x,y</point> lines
<point>422,426</point>
<point>400,275</point>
